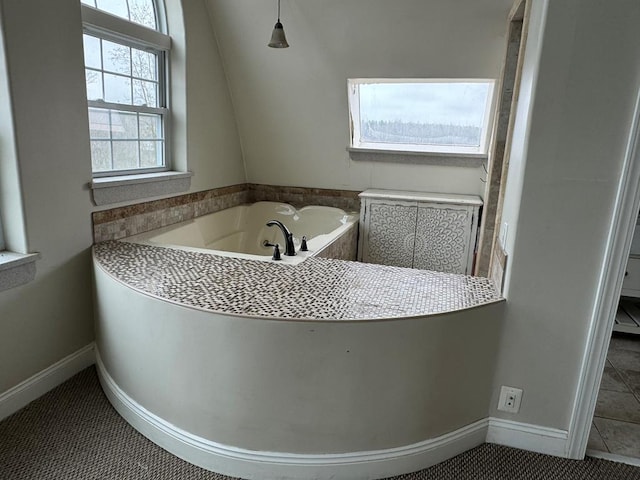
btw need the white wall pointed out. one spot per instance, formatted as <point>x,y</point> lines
<point>212,143</point>
<point>291,104</point>
<point>49,318</point>
<point>52,317</point>
<point>571,136</point>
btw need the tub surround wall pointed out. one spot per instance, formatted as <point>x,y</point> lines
<point>343,248</point>
<point>117,223</point>
<point>346,200</point>
<point>293,371</point>
<point>122,222</point>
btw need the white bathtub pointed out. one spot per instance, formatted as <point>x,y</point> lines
<point>241,231</point>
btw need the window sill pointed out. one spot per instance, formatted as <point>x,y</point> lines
<point>421,158</point>
<point>16,269</point>
<point>108,190</point>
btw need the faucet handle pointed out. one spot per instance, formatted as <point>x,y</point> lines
<point>276,252</point>
<point>303,244</point>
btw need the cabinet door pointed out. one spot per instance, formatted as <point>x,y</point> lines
<point>389,233</point>
<point>443,238</point>
<point>631,283</point>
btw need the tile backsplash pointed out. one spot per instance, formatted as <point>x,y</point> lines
<point>117,223</point>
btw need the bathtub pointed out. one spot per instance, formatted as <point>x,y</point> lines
<point>322,369</point>
<point>241,231</point>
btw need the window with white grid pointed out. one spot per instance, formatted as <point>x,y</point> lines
<point>125,56</point>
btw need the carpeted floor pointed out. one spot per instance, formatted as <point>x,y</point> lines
<point>73,433</point>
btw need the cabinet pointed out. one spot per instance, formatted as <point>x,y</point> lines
<point>429,231</point>
<point>631,283</point>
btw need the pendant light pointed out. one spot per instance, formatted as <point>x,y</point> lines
<point>278,39</point>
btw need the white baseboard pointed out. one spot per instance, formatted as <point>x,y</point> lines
<point>249,464</point>
<point>34,387</point>
<point>614,457</point>
<point>534,438</point>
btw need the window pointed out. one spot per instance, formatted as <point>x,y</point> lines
<point>125,56</point>
<point>435,116</point>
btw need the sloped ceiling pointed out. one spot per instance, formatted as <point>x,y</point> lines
<point>291,104</point>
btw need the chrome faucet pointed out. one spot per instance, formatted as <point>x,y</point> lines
<point>289,248</point>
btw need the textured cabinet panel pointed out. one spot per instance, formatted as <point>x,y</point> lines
<point>430,231</point>
<point>390,234</point>
<point>443,238</point>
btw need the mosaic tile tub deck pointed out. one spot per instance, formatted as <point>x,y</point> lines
<point>316,289</point>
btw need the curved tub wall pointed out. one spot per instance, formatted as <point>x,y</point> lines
<point>242,229</point>
<point>298,387</point>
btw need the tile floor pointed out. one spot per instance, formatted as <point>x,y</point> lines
<point>616,424</point>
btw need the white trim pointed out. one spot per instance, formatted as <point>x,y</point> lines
<point>535,438</point>
<point>353,89</point>
<point>240,462</point>
<point>34,387</point>
<point>118,28</point>
<point>614,457</point>
<point>13,259</point>
<point>16,268</point>
<point>624,217</point>
<point>423,158</point>
<point>122,188</point>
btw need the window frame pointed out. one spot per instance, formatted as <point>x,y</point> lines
<point>103,25</point>
<point>416,152</point>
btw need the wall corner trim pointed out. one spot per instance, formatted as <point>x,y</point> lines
<point>535,438</point>
<point>34,387</point>
<point>612,268</point>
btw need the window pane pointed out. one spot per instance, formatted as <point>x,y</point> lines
<point>124,125</point>
<point>448,114</point>
<point>91,51</point>
<point>94,85</point>
<point>145,93</point>
<point>143,12</point>
<point>145,64</point>
<point>116,57</point>
<point>151,154</point>
<point>100,155</point>
<point>115,7</point>
<point>117,89</point>
<point>128,73</point>
<point>98,123</point>
<point>150,126</point>
<point>125,155</point>
<point>138,11</point>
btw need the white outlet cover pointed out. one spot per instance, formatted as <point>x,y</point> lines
<point>510,399</point>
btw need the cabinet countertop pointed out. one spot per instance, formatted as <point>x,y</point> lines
<point>411,196</point>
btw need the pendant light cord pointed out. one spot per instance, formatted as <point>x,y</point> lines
<point>278,11</point>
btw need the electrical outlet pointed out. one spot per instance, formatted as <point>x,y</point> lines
<point>510,399</point>
<point>503,238</point>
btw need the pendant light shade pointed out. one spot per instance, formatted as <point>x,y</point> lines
<point>278,38</point>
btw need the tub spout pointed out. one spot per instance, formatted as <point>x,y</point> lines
<point>289,249</point>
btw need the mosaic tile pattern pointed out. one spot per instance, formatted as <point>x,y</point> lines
<point>316,289</point>
<point>344,247</point>
<point>122,222</point>
<point>299,197</point>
